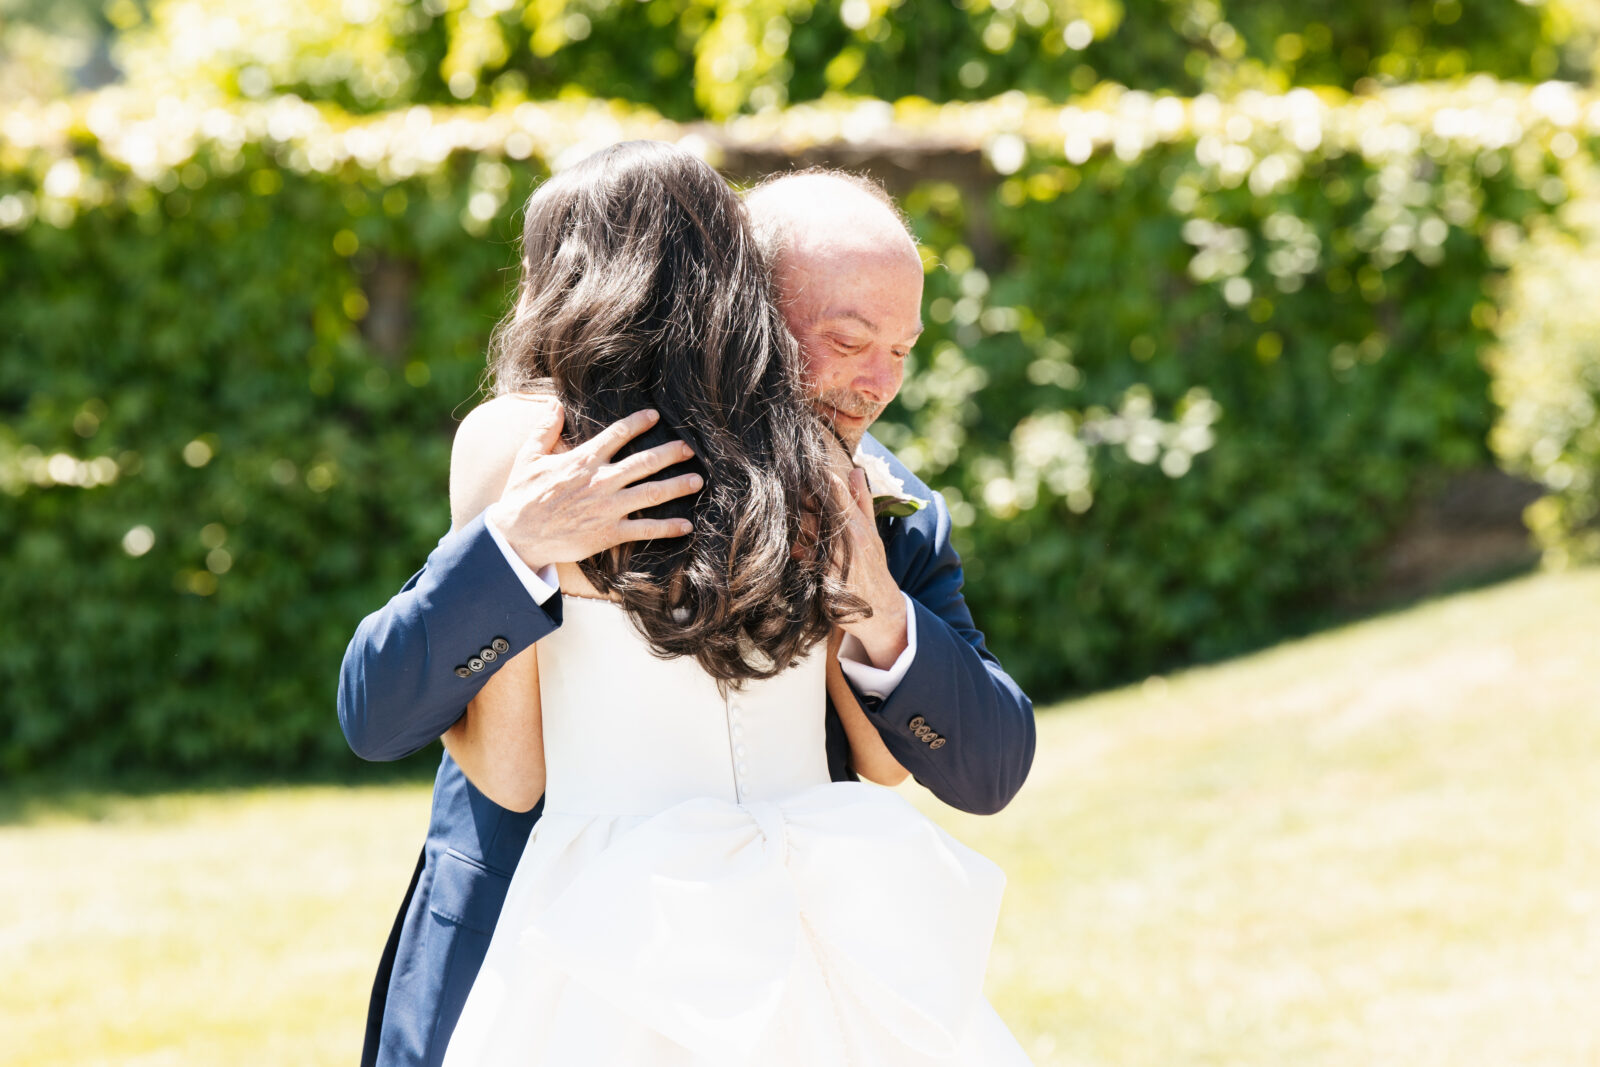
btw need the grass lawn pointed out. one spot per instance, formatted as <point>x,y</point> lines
<point>1377,846</point>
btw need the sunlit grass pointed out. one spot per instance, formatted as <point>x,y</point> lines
<point>234,928</point>
<point>1378,846</point>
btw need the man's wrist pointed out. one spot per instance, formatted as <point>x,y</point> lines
<point>501,523</point>
<point>538,579</point>
<point>868,680</point>
<point>883,635</point>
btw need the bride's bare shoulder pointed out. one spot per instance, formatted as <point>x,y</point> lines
<point>486,445</point>
<point>510,416</point>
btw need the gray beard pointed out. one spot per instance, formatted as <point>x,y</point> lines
<point>850,403</point>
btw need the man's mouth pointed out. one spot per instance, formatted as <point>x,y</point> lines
<point>833,414</point>
<point>854,412</point>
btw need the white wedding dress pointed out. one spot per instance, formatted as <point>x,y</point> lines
<point>698,893</point>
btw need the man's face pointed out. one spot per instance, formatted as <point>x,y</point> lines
<point>856,317</point>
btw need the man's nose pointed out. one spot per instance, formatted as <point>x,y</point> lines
<point>878,376</point>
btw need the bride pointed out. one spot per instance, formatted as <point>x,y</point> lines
<point>697,891</point>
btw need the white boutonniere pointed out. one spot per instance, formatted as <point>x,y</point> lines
<point>889,496</point>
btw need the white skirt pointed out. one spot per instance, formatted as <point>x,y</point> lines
<point>839,926</point>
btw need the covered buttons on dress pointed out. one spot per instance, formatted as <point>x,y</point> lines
<point>737,750</point>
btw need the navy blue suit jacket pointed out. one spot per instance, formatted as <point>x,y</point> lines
<point>400,689</point>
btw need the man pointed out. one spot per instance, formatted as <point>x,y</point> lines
<point>850,286</point>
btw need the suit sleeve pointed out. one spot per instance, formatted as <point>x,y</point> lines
<point>415,663</point>
<point>957,721</point>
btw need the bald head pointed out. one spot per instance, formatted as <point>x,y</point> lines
<point>849,280</point>
<point>826,213</point>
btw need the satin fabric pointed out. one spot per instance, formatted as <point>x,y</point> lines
<point>398,691</point>
<point>751,919</point>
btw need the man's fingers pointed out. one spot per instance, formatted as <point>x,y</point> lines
<point>548,428</point>
<point>606,443</point>
<point>649,494</point>
<point>544,430</point>
<point>651,460</point>
<point>650,529</point>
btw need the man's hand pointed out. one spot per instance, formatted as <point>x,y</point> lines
<point>565,507</point>
<point>883,634</point>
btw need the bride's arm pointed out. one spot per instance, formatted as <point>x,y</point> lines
<point>868,754</point>
<point>499,741</point>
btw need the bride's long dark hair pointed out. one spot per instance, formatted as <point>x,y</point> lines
<point>642,286</point>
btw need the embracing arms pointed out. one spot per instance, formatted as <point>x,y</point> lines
<point>497,742</point>
<point>401,684</point>
<point>956,720</point>
<point>427,657</point>
<point>414,665</point>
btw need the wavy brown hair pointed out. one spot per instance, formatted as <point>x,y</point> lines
<point>642,286</point>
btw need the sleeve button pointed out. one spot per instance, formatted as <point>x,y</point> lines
<point>475,663</point>
<point>937,742</point>
<point>500,645</point>
<point>487,654</point>
<point>463,671</point>
<point>916,722</point>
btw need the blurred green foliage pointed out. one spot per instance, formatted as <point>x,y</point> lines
<point>1186,361</point>
<point>53,47</point>
<point>717,58</point>
<point>258,471</point>
<point>1158,473</point>
<point>1547,381</point>
<point>1192,395</point>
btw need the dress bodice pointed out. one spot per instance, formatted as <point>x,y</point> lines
<point>627,732</point>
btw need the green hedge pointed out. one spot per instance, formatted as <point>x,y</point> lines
<point>265,470</point>
<point>1321,319</point>
<point>721,57</point>
<point>1547,380</point>
<point>237,340</point>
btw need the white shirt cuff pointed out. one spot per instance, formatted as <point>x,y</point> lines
<point>870,680</point>
<point>541,584</point>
